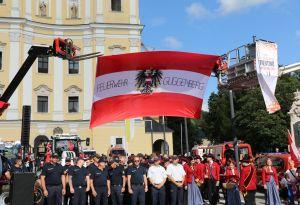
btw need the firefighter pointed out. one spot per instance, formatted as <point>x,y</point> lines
<point>53,181</point>
<point>91,168</point>
<point>79,181</point>
<point>137,182</point>
<point>118,181</point>
<point>68,195</point>
<point>100,183</point>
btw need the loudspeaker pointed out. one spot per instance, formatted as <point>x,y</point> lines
<point>26,113</point>
<point>22,188</point>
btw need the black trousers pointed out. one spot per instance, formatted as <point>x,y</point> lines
<point>102,196</point>
<point>116,194</point>
<point>212,192</point>
<point>79,197</point>
<point>138,196</point>
<point>158,195</point>
<point>176,195</point>
<point>68,196</point>
<point>89,198</point>
<point>54,195</point>
<point>250,197</point>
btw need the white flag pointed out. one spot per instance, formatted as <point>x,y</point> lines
<point>267,73</point>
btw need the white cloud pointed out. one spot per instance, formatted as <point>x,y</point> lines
<point>229,6</point>
<point>158,21</point>
<point>172,42</point>
<point>298,33</point>
<point>205,106</point>
<point>197,11</point>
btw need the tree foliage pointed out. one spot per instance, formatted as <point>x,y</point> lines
<point>252,123</point>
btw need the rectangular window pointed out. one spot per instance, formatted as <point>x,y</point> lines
<point>116,5</point>
<point>73,67</point>
<point>119,141</point>
<point>43,64</point>
<point>1,1</point>
<point>0,59</point>
<point>73,104</point>
<point>42,103</point>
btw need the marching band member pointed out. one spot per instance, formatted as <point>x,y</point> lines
<point>212,176</point>
<point>232,177</point>
<point>194,194</point>
<point>270,182</point>
<point>248,181</point>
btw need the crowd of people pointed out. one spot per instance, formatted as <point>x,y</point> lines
<point>160,180</point>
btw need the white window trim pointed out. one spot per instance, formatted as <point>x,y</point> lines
<point>72,74</point>
<point>1,89</point>
<point>113,141</point>
<point>43,90</point>
<point>37,104</point>
<point>122,7</point>
<point>2,45</point>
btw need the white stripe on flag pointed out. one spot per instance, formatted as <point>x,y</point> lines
<point>173,81</point>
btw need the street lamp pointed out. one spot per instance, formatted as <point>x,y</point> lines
<point>151,121</point>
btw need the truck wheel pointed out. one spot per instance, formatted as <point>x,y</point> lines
<point>4,198</point>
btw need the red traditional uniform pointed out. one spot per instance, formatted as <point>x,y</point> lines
<point>212,171</point>
<point>189,173</point>
<point>232,176</point>
<point>199,172</point>
<point>248,179</point>
<point>267,173</point>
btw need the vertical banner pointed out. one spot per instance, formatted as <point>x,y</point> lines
<point>267,73</point>
<point>129,126</point>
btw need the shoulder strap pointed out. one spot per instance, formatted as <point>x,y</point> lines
<point>292,173</point>
<point>249,177</point>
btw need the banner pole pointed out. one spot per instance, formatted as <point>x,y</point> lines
<point>186,137</point>
<point>235,143</point>
<point>181,138</point>
<point>164,134</point>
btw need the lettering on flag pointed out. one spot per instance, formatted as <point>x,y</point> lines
<point>267,73</point>
<point>156,83</point>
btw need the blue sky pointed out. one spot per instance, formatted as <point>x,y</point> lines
<point>216,26</point>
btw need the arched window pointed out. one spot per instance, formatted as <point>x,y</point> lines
<point>116,5</point>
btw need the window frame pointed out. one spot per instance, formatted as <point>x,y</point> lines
<point>73,103</point>
<point>38,103</point>
<point>3,2</point>
<point>42,62</point>
<point>73,64</point>
<point>111,6</point>
<point>1,60</point>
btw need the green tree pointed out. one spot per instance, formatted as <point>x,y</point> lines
<point>253,124</point>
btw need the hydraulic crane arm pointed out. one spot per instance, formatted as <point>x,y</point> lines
<point>62,48</point>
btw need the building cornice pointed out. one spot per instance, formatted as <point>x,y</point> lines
<point>70,27</point>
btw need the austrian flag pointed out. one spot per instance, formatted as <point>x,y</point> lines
<point>156,83</point>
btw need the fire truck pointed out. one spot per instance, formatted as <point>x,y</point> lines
<point>65,145</point>
<point>219,150</point>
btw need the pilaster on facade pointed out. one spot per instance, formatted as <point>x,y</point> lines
<point>99,11</point>
<point>28,9</point>
<point>15,9</point>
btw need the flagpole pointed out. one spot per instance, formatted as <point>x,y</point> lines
<point>164,133</point>
<point>181,138</point>
<point>186,137</point>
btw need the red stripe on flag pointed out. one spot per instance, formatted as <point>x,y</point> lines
<point>162,60</point>
<point>138,105</point>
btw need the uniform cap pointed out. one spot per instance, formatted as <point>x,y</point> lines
<point>54,155</point>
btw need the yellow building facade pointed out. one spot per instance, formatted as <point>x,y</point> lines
<point>59,92</point>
